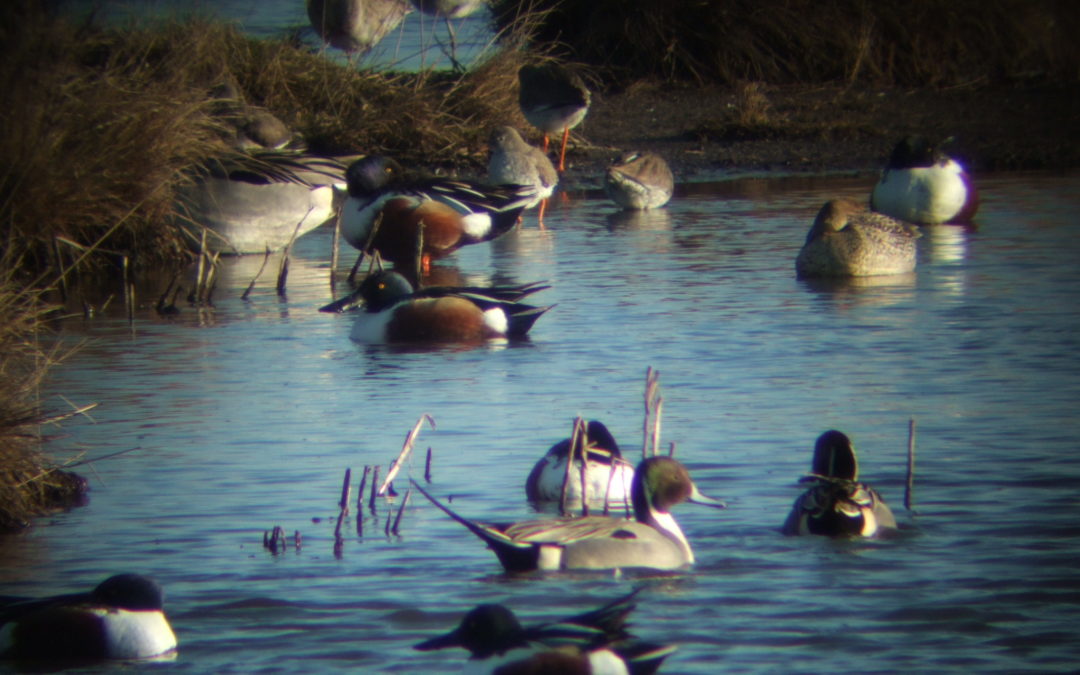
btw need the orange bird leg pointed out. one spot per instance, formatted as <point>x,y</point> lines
<point>562,153</point>
<point>546,140</point>
<point>543,205</point>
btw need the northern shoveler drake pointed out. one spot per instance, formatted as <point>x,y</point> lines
<point>454,213</point>
<point>251,202</point>
<point>594,642</point>
<point>355,26</point>
<point>639,180</point>
<point>607,475</point>
<point>846,240</point>
<point>923,185</point>
<point>395,312</point>
<point>652,540</point>
<point>123,618</point>
<point>837,504</point>
<point>513,161</point>
<point>554,100</point>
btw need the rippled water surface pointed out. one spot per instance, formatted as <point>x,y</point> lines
<point>245,416</point>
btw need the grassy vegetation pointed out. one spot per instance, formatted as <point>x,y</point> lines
<point>917,43</point>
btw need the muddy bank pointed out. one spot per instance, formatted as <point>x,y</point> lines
<point>707,132</point>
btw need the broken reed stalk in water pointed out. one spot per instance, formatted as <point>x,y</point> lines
<point>266,259</point>
<point>367,247</point>
<point>652,378</point>
<point>575,436</point>
<point>335,252</point>
<point>910,483</point>
<point>419,253</point>
<point>427,466</point>
<point>286,254</point>
<point>400,512</point>
<point>374,481</point>
<point>410,441</point>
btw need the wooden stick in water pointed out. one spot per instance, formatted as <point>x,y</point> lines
<point>910,486</point>
<point>419,254</point>
<point>335,252</point>
<point>652,378</point>
<point>410,440</point>
<point>427,466</point>
<point>656,426</point>
<point>400,512</point>
<point>374,481</point>
<point>563,495</point>
<point>266,259</point>
<point>584,469</point>
<point>199,268</point>
<point>360,490</point>
<point>346,493</point>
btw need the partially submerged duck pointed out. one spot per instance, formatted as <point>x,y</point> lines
<point>653,539</point>
<point>395,312</point>
<point>846,240</point>
<point>594,642</point>
<point>123,618</point>
<point>923,185</point>
<point>837,504</point>
<point>607,475</point>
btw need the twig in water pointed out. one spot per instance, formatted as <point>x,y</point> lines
<point>419,253</point>
<point>656,425</point>
<point>575,437</point>
<point>374,481</point>
<point>410,440</point>
<point>427,466</point>
<point>910,484</point>
<point>266,259</point>
<point>651,383</point>
<point>360,490</point>
<point>400,512</point>
<point>346,493</point>
<point>287,253</point>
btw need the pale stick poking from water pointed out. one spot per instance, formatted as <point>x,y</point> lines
<point>283,271</point>
<point>654,406</point>
<point>577,433</point>
<point>343,512</point>
<point>410,440</point>
<point>910,485</point>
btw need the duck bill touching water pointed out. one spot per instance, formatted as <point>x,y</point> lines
<point>123,618</point>
<point>607,475</point>
<point>394,215</point>
<point>923,185</point>
<point>639,181</point>
<point>837,504</point>
<point>653,539</point>
<point>594,642</point>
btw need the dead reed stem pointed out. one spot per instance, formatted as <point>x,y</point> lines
<point>909,483</point>
<point>410,440</point>
<point>266,259</point>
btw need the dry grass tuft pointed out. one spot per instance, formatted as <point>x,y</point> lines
<point>925,42</point>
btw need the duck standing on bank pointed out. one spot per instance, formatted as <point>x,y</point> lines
<point>837,504</point>
<point>653,539</point>
<point>923,185</point>
<point>392,214</point>
<point>846,240</point>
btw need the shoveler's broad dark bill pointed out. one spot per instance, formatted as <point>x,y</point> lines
<point>923,185</point>
<point>394,312</point>
<point>452,213</point>
<point>607,475</point>
<point>837,504</point>
<point>593,642</point>
<point>846,240</point>
<point>123,618</point>
<point>653,539</point>
<point>639,180</point>
<point>554,100</point>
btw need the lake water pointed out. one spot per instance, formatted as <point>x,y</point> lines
<point>245,416</point>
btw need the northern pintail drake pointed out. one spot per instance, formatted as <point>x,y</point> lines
<point>846,240</point>
<point>554,100</point>
<point>394,312</point>
<point>923,185</point>
<point>355,26</point>
<point>652,540</point>
<point>607,475</point>
<point>123,618</point>
<point>639,180</point>
<point>454,213</point>
<point>837,504</point>
<point>594,642</point>
<point>513,161</point>
<point>251,202</point>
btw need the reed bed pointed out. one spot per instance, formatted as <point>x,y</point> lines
<point>919,43</point>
